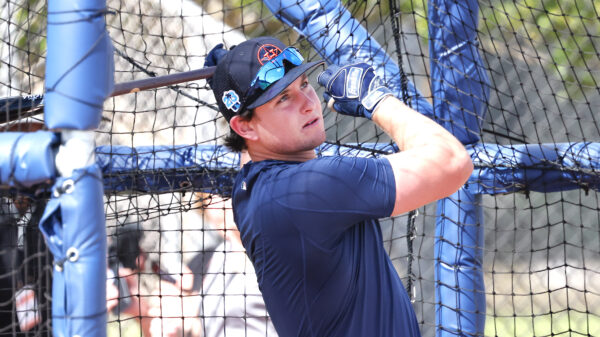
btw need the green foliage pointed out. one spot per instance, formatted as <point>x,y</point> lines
<point>377,11</point>
<point>31,38</point>
<point>564,35</point>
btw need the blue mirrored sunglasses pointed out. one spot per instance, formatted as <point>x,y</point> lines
<point>274,70</point>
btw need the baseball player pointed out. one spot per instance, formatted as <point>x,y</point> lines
<point>309,225</point>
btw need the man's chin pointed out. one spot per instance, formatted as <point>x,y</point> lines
<point>313,144</point>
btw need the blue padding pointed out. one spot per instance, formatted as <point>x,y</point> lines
<point>74,219</point>
<point>79,64</point>
<point>458,251</point>
<point>208,168</point>
<point>159,169</point>
<point>534,167</point>
<point>27,158</point>
<point>459,83</point>
<point>460,90</point>
<point>339,38</point>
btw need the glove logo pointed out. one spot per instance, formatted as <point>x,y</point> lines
<point>231,100</point>
<point>267,52</point>
<point>353,82</point>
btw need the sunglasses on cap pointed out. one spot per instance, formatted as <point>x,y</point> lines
<point>273,71</point>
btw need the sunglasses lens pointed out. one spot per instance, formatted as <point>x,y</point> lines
<point>270,73</point>
<point>293,55</point>
<point>274,70</point>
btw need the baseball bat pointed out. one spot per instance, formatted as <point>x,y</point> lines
<point>19,107</point>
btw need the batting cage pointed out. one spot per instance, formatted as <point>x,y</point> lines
<point>116,217</point>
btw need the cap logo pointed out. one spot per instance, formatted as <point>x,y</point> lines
<point>267,52</point>
<point>231,100</point>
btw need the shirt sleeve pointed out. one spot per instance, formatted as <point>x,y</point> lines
<point>325,196</point>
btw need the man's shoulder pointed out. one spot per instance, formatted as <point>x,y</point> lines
<point>252,170</point>
<point>267,169</point>
<point>264,178</point>
<point>265,165</point>
<point>315,173</point>
<point>253,173</point>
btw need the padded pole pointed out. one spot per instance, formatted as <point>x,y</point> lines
<point>499,169</point>
<point>73,224</point>
<point>79,64</point>
<point>459,83</point>
<point>27,158</point>
<point>460,91</point>
<point>79,77</point>
<point>458,251</point>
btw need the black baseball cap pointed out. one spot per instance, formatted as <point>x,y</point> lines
<point>235,72</point>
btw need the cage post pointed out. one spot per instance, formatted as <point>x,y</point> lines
<point>460,90</point>
<point>79,76</point>
<point>458,251</point>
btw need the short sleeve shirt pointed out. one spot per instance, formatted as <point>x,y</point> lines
<point>311,232</point>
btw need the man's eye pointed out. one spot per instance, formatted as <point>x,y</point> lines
<point>305,84</point>
<point>283,98</point>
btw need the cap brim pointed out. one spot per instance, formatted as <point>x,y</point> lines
<point>283,83</point>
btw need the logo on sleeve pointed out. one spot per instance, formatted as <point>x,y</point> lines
<point>231,100</point>
<point>267,52</point>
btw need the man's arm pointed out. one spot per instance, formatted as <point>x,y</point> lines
<point>432,163</point>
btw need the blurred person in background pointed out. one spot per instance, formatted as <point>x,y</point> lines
<point>24,268</point>
<point>157,300</point>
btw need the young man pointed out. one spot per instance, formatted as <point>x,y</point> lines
<point>309,224</point>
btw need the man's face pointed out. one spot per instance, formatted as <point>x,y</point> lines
<point>290,123</point>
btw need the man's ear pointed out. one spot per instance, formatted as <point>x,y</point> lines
<point>243,127</point>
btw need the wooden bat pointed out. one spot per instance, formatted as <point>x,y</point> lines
<point>19,107</point>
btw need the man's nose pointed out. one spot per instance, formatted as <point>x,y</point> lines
<point>308,102</point>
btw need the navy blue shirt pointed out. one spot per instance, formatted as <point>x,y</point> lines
<point>312,233</point>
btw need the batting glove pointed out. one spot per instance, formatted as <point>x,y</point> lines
<point>213,58</point>
<point>355,89</point>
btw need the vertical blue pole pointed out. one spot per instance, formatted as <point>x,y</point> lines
<point>460,89</point>
<point>79,64</point>
<point>73,224</point>
<point>459,83</point>
<point>79,77</point>
<point>458,251</point>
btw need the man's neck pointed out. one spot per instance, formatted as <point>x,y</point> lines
<point>301,156</point>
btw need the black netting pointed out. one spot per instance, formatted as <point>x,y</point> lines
<point>541,252</point>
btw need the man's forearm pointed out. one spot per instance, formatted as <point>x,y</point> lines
<point>408,128</point>
<point>432,163</point>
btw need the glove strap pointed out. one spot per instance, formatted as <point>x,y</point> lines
<point>374,97</point>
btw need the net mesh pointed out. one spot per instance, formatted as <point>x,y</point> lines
<point>187,271</point>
